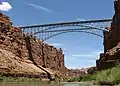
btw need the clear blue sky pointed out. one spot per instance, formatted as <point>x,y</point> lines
<point>80,49</point>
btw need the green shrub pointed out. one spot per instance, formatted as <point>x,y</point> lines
<point>83,78</point>
<point>75,79</point>
<point>109,76</point>
<point>89,78</point>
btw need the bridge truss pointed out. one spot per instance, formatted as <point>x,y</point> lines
<point>47,31</point>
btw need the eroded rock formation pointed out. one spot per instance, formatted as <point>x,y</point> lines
<point>111,54</point>
<point>77,72</point>
<point>26,50</point>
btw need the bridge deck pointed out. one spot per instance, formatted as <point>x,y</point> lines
<point>78,22</point>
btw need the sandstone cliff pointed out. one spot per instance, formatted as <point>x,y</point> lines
<point>111,53</point>
<point>23,53</point>
<point>77,72</point>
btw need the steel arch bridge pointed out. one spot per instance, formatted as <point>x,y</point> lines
<point>47,31</point>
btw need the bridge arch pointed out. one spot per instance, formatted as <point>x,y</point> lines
<point>72,31</point>
<point>52,33</point>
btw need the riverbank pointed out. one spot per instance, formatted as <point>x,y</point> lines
<point>104,77</point>
<point>22,79</point>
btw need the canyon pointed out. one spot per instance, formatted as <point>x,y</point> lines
<point>25,55</point>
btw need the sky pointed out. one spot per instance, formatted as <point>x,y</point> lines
<point>80,49</point>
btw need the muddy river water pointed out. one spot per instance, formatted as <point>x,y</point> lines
<point>36,84</point>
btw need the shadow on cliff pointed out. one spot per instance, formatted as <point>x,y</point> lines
<point>29,48</point>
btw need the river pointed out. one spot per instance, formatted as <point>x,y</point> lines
<point>36,84</point>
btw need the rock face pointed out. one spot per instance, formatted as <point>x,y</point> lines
<point>13,65</point>
<point>28,48</point>
<point>111,53</point>
<point>92,70</point>
<point>77,72</point>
